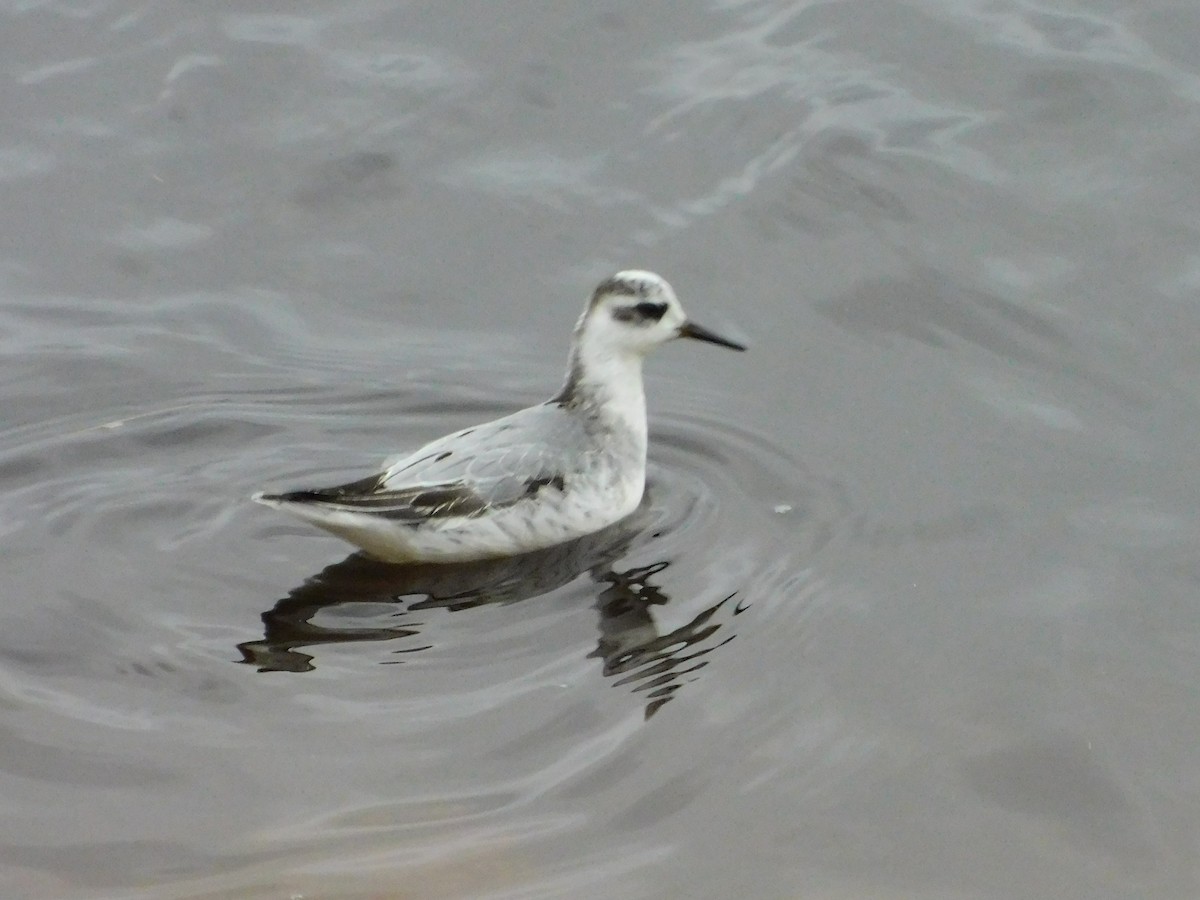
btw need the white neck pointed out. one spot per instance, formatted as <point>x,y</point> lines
<point>609,381</point>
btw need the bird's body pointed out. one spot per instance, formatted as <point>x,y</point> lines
<point>541,476</point>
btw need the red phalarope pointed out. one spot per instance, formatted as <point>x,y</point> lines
<point>542,476</point>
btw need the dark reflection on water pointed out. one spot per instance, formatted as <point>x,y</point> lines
<point>955,478</point>
<point>632,649</point>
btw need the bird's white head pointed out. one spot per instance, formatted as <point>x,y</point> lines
<point>633,312</point>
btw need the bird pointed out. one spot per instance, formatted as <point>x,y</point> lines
<point>542,476</point>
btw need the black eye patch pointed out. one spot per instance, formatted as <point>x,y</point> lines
<point>646,311</point>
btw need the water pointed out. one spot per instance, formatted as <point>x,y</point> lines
<point>910,608</point>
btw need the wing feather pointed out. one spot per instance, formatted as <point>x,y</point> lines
<point>470,472</point>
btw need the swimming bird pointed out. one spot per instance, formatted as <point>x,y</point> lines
<point>544,475</point>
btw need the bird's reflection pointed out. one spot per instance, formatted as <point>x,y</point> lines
<point>630,644</point>
<point>632,649</point>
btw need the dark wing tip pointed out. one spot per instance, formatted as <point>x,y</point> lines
<point>362,487</point>
<point>292,497</point>
<point>316,496</point>
<point>416,503</point>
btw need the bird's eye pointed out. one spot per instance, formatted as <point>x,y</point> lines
<point>651,311</point>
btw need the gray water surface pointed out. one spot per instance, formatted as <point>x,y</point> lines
<point>911,609</point>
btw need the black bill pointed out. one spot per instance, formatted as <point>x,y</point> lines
<point>692,330</point>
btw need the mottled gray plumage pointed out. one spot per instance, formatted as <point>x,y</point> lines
<point>482,468</point>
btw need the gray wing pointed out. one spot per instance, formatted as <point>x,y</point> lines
<point>469,472</point>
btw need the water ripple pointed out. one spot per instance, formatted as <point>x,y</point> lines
<point>666,584</point>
